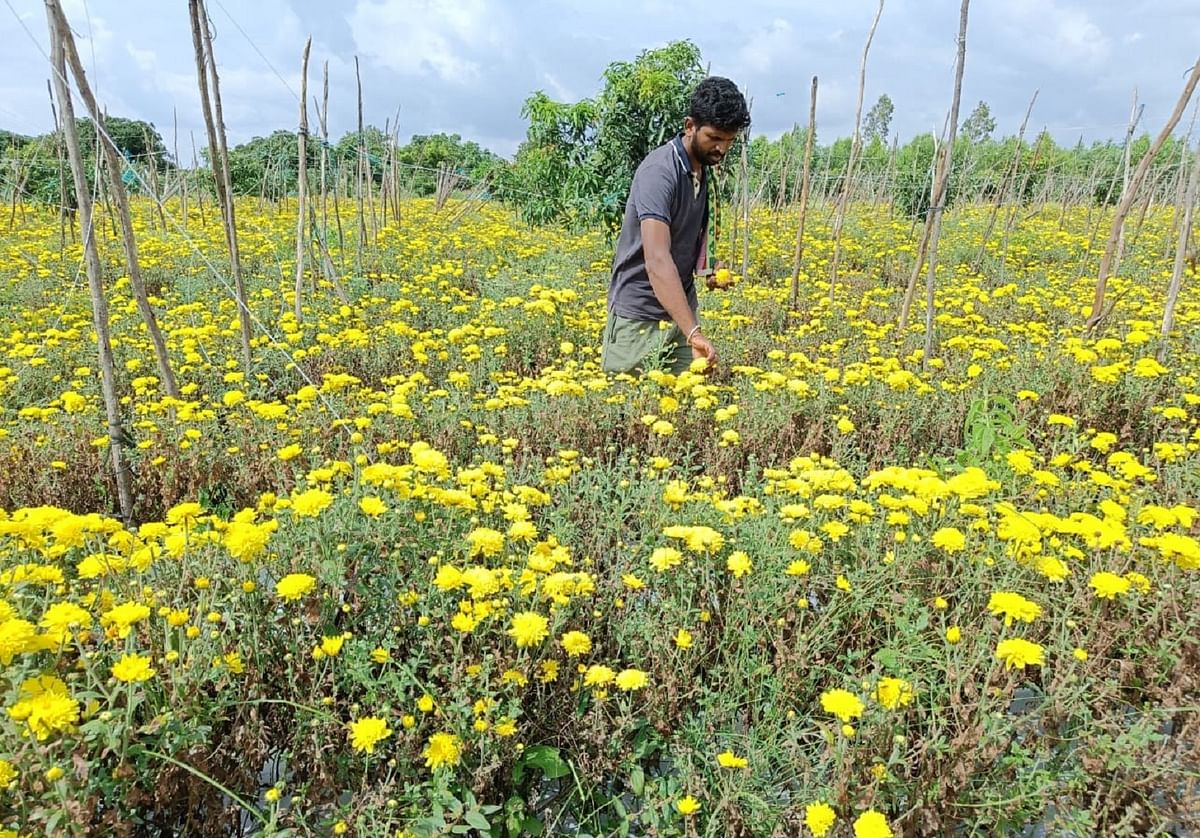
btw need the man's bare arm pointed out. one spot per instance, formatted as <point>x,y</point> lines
<point>668,287</point>
<point>664,276</point>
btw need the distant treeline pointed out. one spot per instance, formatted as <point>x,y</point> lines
<point>264,166</point>
<point>577,160</point>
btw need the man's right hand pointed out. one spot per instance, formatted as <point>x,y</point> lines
<point>702,347</point>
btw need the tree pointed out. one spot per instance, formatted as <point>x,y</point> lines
<point>578,159</point>
<point>138,143</point>
<point>269,165</point>
<point>11,142</point>
<point>914,176</point>
<point>374,140</point>
<point>424,154</point>
<point>136,140</point>
<point>979,125</point>
<point>879,120</point>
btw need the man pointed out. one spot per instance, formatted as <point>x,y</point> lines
<point>663,240</point>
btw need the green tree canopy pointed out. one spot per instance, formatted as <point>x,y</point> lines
<point>578,159</point>
<point>137,141</point>
<point>979,125</point>
<point>269,165</point>
<point>37,158</point>
<point>878,123</point>
<point>424,154</point>
<point>373,140</point>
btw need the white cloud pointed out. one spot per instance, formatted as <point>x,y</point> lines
<point>145,59</point>
<point>1062,35</point>
<point>766,45</point>
<point>466,66</point>
<point>560,91</point>
<point>424,37</point>
<point>94,39</point>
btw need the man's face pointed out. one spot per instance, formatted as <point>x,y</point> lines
<point>709,143</point>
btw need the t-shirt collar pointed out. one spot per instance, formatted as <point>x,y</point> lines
<point>681,154</point>
<point>685,163</point>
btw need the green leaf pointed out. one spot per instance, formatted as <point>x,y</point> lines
<point>887,658</point>
<point>548,760</point>
<point>637,781</point>
<point>476,819</point>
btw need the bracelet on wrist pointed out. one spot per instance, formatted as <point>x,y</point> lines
<point>692,334</point>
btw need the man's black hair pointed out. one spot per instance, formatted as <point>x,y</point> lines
<point>716,101</point>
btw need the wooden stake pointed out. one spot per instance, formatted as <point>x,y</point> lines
<point>65,208</point>
<point>302,182</point>
<point>1106,261</point>
<point>214,123</point>
<point>153,172</point>
<point>362,170</point>
<point>199,185</point>
<point>1182,176</point>
<point>1005,184</point>
<point>182,179</point>
<point>327,267</point>
<point>804,189</point>
<point>323,120</point>
<point>120,197</point>
<point>1135,116</point>
<point>947,160</point>
<point>745,178</point>
<point>112,408</point>
<point>1181,247</point>
<point>839,213</point>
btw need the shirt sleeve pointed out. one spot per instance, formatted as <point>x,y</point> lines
<point>653,192</point>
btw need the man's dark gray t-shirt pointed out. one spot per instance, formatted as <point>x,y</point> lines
<point>662,188</point>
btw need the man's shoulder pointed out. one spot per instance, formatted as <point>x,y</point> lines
<point>660,158</point>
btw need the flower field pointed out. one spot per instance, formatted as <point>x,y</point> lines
<point>425,570</point>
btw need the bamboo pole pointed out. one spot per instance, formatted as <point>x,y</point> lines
<point>839,213</point>
<point>910,290</point>
<point>98,174</point>
<point>302,182</point>
<point>327,267</point>
<point>339,180</point>
<point>1135,116</point>
<point>182,179</point>
<point>112,408</point>
<point>779,197</point>
<point>388,185</point>
<point>1015,209</point>
<point>889,175</point>
<point>120,198</point>
<point>937,195</point>
<point>63,206</point>
<point>323,121</point>
<point>1181,247</point>
<point>804,190</point>
<point>947,161</point>
<point>745,178</point>
<point>206,74</point>
<point>199,185</point>
<point>1181,179</point>
<point>1106,261</point>
<point>362,164</point>
<point>153,173</point>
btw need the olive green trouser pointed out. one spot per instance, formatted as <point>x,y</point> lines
<point>636,346</point>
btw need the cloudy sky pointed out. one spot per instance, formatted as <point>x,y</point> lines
<point>465,66</point>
